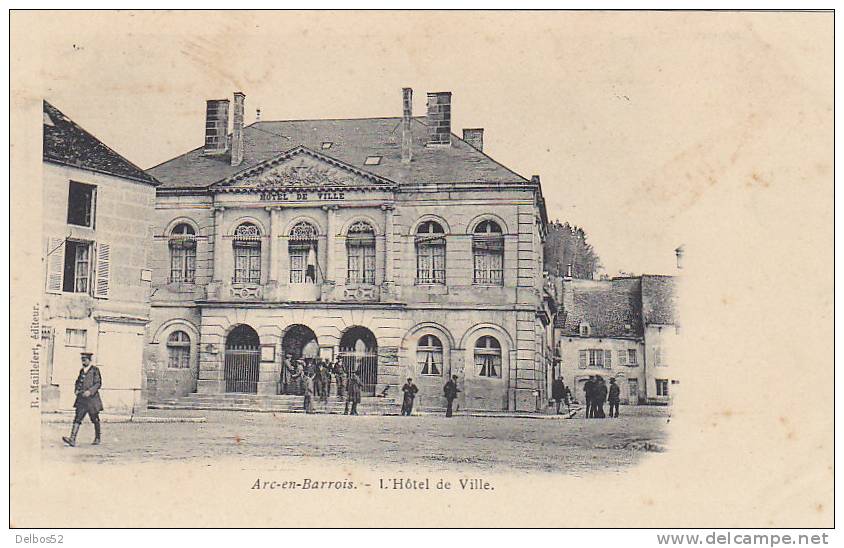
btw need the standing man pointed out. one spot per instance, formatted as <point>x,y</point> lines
<point>589,391</point>
<point>309,393</point>
<point>558,392</point>
<point>353,396</point>
<point>340,377</point>
<point>410,391</point>
<point>88,402</point>
<point>600,397</point>
<point>614,398</point>
<point>326,379</point>
<point>450,391</point>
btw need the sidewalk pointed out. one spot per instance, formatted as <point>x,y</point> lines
<point>145,416</point>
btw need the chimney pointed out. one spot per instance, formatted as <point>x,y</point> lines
<point>679,252</point>
<point>439,118</point>
<point>406,117</point>
<point>475,137</point>
<point>568,272</point>
<point>216,126</point>
<point>237,128</point>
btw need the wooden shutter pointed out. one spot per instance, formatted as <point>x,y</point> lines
<point>622,357</point>
<point>584,359</point>
<point>608,359</point>
<point>103,271</point>
<point>55,264</point>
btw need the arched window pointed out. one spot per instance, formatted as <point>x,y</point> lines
<point>178,350</point>
<point>488,357</point>
<point>247,254</point>
<point>429,355</point>
<point>360,253</point>
<point>302,248</point>
<point>430,253</point>
<point>182,254</point>
<point>488,253</point>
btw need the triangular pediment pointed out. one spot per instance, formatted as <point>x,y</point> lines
<point>302,168</point>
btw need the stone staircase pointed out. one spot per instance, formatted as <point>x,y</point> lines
<point>273,404</point>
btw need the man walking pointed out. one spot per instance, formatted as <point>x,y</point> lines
<point>450,391</point>
<point>353,394</point>
<point>614,398</point>
<point>410,391</point>
<point>88,402</point>
<point>558,392</point>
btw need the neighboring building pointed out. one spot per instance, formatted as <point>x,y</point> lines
<point>97,219</point>
<point>619,328</point>
<point>389,242</point>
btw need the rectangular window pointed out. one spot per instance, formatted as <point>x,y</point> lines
<point>76,337</point>
<point>488,257</point>
<point>298,264</point>
<point>77,267</point>
<point>596,357</point>
<point>361,262</point>
<point>662,387</point>
<point>430,262</point>
<point>80,204</point>
<point>372,160</point>
<point>632,361</point>
<point>247,263</point>
<point>622,357</point>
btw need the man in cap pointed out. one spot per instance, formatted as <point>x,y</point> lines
<point>614,397</point>
<point>450,391</point>
<point>410,391</point>
<point>88,402</point>
<point>558,391</point>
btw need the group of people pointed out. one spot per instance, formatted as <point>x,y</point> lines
<point>313,377</point>
<point>597,394</point>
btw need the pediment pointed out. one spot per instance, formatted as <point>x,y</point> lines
<point>302,169</point>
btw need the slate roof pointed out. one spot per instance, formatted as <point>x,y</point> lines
<point>659,305</point>
<point>352,141</point>
<point>65,142</point>
<point>611,308</point>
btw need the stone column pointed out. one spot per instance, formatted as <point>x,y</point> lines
<point>331,231</point>
<point>388,284</point>
<point>218,243</point>
<point>275,251</point>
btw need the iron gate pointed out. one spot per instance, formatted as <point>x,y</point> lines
<point>366,364</point>
<point>241,369</point>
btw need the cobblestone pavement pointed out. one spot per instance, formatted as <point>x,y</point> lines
<point>479,443</point>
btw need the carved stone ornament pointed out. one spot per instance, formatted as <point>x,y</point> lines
<point>303,173</point>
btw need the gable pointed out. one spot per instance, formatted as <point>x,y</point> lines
<point>302,169</point>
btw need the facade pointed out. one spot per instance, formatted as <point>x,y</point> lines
<point>97,219</point>
<point>390,243</point>
<point>622,328</point>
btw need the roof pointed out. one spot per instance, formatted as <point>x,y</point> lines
<point>611,308</point>
<point>65,142</point>
<point>353,140</point>
<point>659,305</point>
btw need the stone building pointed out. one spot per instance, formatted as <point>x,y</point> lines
<point>97,220</point>
<point>621,328</point>
<point>389,242</point>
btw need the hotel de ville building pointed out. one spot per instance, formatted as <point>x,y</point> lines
<point>390,243</point>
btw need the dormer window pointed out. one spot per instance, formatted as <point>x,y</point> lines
<point>372,161</point>
<point>585,330</point>
<point>326,145</point>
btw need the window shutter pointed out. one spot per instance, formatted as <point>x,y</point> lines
<point>55,264</point>
<point>584,359</point>
<point>103,271</point>
<point>622,357</point>
<point>608,359</point>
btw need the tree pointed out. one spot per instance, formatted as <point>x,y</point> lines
<point>566,245</point>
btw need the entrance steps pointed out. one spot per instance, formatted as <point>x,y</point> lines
<point>274,404</point>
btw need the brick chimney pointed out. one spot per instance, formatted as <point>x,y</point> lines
<point>406,117</point>
<point>237,128</point>
<point>216,126</point>
<point>475,137</point>
<point>439,118</point>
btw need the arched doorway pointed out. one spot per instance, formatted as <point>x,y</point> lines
<point>359,352</point>
<point>243,351</point>
<point>299,341</point>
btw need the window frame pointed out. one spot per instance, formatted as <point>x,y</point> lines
<point>662,388</point>
<point>430,350</point>
<point>488,234</point>
<point>490,351</point>
<point>247,246</point>
<point>182,247</point>
<point>360,250</point>
<point>68,339</point>
<point>76,278</point>
<point>179,349</point>
<point>430,248</point>
<point>91,210</point>
<point>299,243</point>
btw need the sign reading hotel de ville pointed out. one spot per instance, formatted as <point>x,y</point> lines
<point>417,269</point>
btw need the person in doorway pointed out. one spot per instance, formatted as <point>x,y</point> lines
<point>309,394</point>
<point>614,398</point>
<point>450,391</point>
<point>410,391</point>
<point>589,395</point>
<point>340,378</point>
<point>287,370</point>
<point>319,379</point>
<point>600,397</point>
<point>326,379</point>
<point>298,377</point>
<point>88,402</point>
<point>558,392</point>
<point>353,394</point>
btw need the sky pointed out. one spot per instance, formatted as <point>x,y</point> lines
<point>628,118</point>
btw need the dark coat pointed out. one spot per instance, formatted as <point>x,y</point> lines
<point>410,391</point>
<point>558,389</point>
<point>91,381</point>
<point>450,390</point>
<point>589,390</point>
<point>354,388</point>
<point>615,392</point>
<point>600,392</point>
